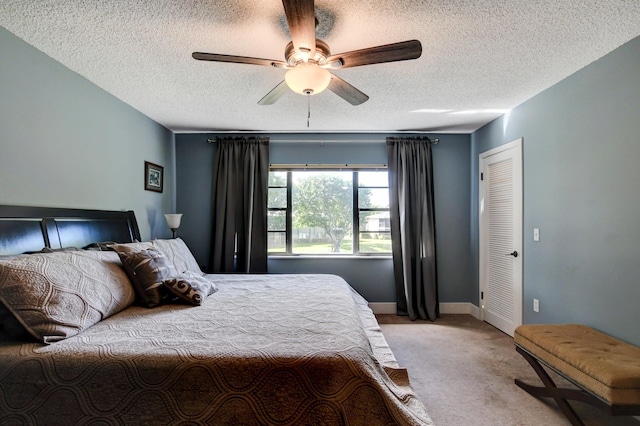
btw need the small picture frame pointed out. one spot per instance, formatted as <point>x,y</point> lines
<point>153,176</point>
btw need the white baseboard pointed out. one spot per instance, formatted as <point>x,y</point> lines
<point>460,308</point>
<point>445,308</point>
<point>383,307</point>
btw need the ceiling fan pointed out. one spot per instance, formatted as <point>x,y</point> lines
<point>308,59</point>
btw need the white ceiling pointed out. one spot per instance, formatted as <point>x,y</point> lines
<point>479,57</point>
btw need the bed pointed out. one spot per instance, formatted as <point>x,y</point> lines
<point>253,349</point>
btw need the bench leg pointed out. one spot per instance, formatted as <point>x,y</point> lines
<point>550,389</point>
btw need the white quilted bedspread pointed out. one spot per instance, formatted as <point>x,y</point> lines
<point>264,349</point>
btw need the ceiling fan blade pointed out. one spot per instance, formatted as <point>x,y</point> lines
<point>301,18</point>
<point>402,51</point>
<point>275,94</point>
<point>238,59</point>
<point>346,91</point>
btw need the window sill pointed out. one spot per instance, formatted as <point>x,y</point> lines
<point>328,256</point>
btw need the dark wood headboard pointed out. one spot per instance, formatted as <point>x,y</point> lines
<point>28,229</point>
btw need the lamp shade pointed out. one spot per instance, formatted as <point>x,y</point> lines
<point>307,79</point>
<point>173,220</point>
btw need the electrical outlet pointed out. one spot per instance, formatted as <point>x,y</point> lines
<point>536,305</point>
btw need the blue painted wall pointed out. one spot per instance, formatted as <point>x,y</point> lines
<point>371,277</point>
<point>68,143</point>
<point>582,189</point>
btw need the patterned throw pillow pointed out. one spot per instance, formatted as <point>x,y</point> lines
<point>147,269</point>
<point>130,247</point>
<point>58,295</point>
<point>191,288</point>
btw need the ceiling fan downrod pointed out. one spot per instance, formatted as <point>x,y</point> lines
<point>308,108</point>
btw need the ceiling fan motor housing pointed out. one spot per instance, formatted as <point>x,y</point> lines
<point>294,57</point>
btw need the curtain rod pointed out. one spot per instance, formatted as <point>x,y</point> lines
<point>322,141</point>
<point>328,166</point>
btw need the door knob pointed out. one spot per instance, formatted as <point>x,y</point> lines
<point>514,254</point>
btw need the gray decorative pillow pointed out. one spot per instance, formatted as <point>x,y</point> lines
<point>58,295</point>
<point>174,249</point>
<point>52,250</point>
<point>147,269</point>
<point>190,287</point>
<point>178,252</point>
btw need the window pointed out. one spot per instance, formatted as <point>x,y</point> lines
<point>329,212</point>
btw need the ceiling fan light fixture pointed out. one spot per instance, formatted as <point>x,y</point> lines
<point>308,59</point>
<point>307,79</point>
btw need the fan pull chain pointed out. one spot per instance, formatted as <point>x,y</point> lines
<point>308,108</point>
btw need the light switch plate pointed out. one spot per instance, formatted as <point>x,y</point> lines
<point>536,234</point>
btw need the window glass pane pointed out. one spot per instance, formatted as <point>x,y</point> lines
<point>277,198</point>
<point>375,232</point>
<point>375,221</point>
<point>380,178</point>
<point>322,212</point>
<point>375,242</point>
<point>373,198</point>
<point>276,221</point>
<point>277,242</point>
<point>277,178</point>
<point>316,241</point>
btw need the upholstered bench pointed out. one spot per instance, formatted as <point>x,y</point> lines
<point>606,370</point>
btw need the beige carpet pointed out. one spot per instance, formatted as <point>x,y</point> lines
<point>463,370</point>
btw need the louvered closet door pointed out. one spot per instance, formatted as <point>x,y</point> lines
<point>501,236</point>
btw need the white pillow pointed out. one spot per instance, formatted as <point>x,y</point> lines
<point>58,295</point>
<point>178,252</point>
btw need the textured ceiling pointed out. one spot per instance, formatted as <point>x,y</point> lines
<point>479,57</point>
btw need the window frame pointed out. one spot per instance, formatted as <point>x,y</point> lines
<point>355,208</point>
<point>288,217</point>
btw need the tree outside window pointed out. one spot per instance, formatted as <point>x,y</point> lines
<point>328,212</point>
